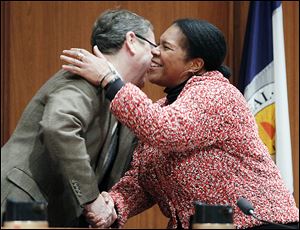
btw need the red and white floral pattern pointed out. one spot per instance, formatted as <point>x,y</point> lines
<point>204,146</point>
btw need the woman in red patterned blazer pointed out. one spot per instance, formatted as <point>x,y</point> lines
<point>200,142</point>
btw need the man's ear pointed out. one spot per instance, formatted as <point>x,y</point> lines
<point>130,40</point>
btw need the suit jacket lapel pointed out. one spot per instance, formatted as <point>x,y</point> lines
<point>103,154</point>
<point>123,157</point>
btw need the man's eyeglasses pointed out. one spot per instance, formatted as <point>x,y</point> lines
<point>141,37</point>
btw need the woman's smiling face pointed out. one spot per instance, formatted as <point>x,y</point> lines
<point>169,63</point>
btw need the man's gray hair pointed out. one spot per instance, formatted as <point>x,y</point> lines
<point>109,31</point>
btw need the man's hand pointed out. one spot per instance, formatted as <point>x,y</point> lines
<point>101,213</point>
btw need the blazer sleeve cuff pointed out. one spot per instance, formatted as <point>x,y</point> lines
<point>84,195</point>
<point>121,209</point>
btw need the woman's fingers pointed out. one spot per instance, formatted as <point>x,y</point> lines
<point>77,54</point>
<point>72,52</point>
<point>97,52</point>
<point>82,51</point>
<point>86,65</point>
<point>71,60</point>
<point>72,69</point>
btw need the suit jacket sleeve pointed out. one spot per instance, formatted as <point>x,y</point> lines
<point>67,115</point>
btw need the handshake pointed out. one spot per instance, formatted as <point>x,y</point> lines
<point>101,212</point>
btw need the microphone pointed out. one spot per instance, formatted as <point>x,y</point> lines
<point>247,208</point>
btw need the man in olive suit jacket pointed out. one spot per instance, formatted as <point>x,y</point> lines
<point>60,152</point>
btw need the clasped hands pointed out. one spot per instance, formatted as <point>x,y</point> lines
<point>101,213</point>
